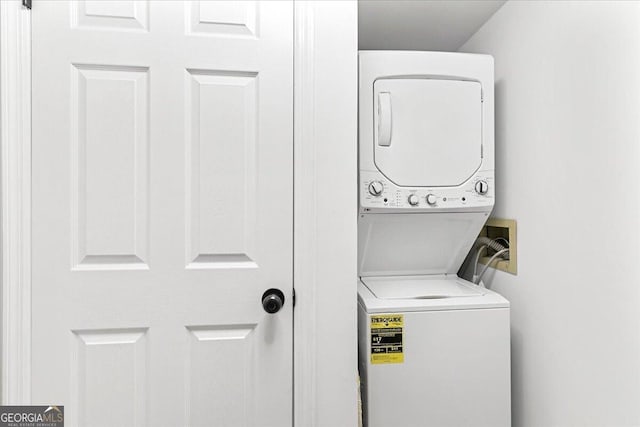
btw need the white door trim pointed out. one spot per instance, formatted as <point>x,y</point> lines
<point>305,232</point>
<point>325,213</point>
<point>324,36</point>
<point>15,127</point>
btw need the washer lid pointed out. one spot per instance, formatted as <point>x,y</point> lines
<point>421,287</point>
<point>427,131</point>
<point>416,243</point>
<point>421,294</point>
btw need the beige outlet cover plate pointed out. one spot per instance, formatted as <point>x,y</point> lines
<point>498,227</point>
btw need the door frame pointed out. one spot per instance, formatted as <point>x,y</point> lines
<point>15,177</point>
<point>325,213</point>
<point>325,195</point>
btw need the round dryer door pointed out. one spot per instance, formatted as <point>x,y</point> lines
<point>427,132</point>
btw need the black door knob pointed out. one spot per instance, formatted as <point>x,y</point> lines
<point>272,300</point>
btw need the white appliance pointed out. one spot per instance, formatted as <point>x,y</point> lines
<point>433,348</point>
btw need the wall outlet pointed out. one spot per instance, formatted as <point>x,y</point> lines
<point>505,228</point>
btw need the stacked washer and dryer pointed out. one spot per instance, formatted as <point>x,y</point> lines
<point>433,348</point>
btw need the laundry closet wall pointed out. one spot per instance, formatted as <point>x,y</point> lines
<point>568,170</point>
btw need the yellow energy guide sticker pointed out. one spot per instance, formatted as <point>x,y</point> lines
<point>386,338</point>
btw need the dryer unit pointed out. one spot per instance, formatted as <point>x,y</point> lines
<point>425,146</point>
<point>433,348</point>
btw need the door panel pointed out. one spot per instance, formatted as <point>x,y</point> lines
<point>131,15</point>
<point>162,210</point>
<point>238,18</point>
<point>222,145</point>
<point>229,397</point>
<point>109,166</point>
<point>122,353</point>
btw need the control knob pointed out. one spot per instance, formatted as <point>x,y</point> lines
<point>431,199</point>
<point>413,200</point>
<point>482,187</point>
<point>375,188</point>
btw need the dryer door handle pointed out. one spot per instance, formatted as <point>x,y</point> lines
<point>384,119</point>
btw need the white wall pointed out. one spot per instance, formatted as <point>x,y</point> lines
<point>420,25</point>
<point>568,170</point>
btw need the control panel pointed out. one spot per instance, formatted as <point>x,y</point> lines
<point>377,192</point>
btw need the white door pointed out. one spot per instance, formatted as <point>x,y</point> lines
<point>162,210</point>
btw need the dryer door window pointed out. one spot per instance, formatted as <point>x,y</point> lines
<point>427,132</point>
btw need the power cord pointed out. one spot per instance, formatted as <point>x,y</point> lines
<point>484,243</point>
<point>475,264</point>
<point>484,270</point>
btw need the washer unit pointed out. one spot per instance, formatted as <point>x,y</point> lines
<point>433,348</point>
